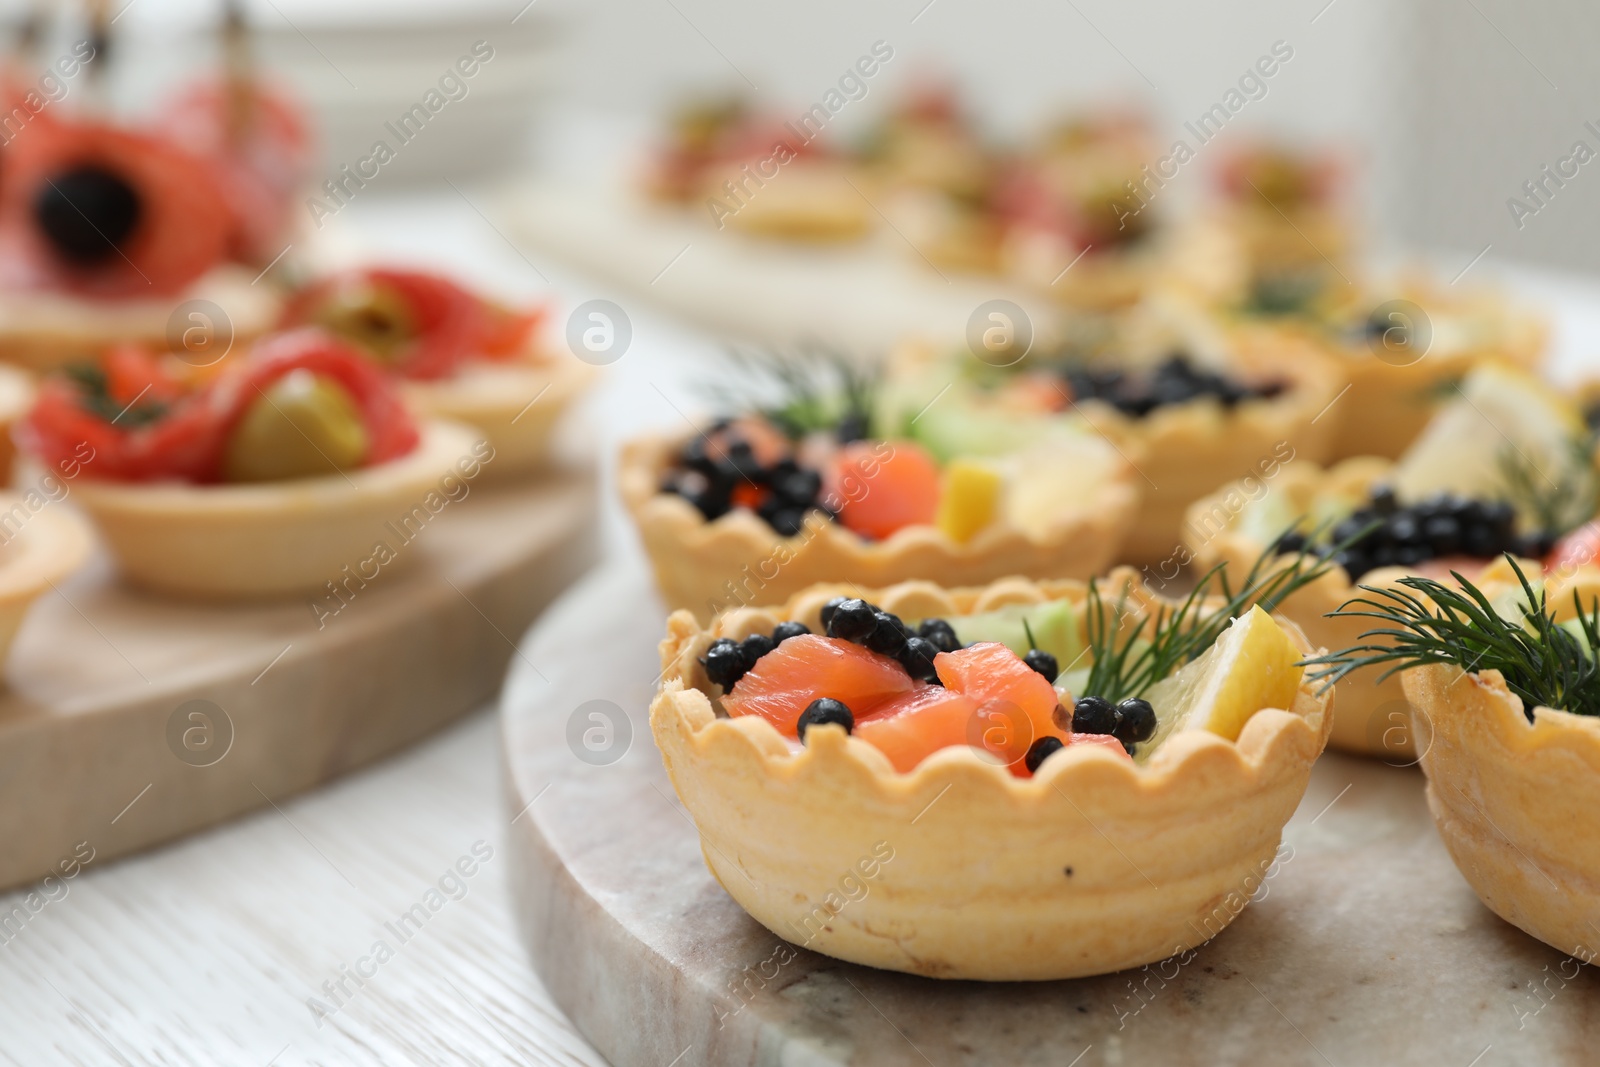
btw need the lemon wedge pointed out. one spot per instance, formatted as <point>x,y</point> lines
<point>1497,413</point>
<point>1253,665</point>
<point>970,499</point>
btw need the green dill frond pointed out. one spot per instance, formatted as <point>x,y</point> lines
<point>812,388</point>
<point>1131,655</point>
<point>1544,662</point>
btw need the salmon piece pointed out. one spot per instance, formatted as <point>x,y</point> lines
<point>911,727</point>
<point>1021,703</point>
<point>885,486</point>
<point>805,668</point>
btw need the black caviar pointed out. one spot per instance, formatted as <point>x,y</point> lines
<point>1041,750</point>
<point>712,468</point>
<point>1176,381</point>
<point>822,711</point>
<point>1386,533</point>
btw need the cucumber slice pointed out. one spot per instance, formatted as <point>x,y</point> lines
<point>1054,625</point>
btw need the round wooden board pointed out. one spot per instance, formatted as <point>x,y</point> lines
<point>99,742</point>
<point>1365,946</point>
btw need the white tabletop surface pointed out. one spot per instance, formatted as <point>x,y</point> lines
<point>207,952</point>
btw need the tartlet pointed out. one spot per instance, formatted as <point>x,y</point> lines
<point>47,330</point>
<point>298,471</point>
<point>738,558</point>
<point>756,176</point>
<point>1511,780</point>
<point>458,356</point>
<point>39,546</point>
<point>1180,450</point>
<point>225,542</point>
<point>108,235</point>
<point>1515,802</point>
<point>1398,370</point>
<point>1045,893</point>
<point>1504,468</point>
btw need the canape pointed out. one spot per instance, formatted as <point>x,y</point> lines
<point>753,508</point>
<point>105,235</point>
<point>281,476</point>
<point>1188,411</point>
<point>935,177</point>
<point>757,176</point>
<point>1504,674</point>
<point>853,771</point>
<point>460,356</point>
<point>1401,345</point>
<point>1071,225</point>
<point>1449,506</point>
<point>1280,204</point>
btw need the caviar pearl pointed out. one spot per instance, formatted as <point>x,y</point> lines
<point>725,663</point>
<point>754,647</point>
<point>828,609</point>
<point>853,620</point>
<point>825,711</point>
<point>1043,662</point>
<point>1093,715</point>
<point>917,659</point>
<point>940,633</point>
<point>1040,751</point>
<point>785,630</point>
<point>1136,721</point>
<point>888,636</point>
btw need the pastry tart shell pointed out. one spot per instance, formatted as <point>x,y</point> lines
<point>515,405</point>
<point>45,331</point>
<point>41,543</point>
<point>1388,404</point>
<point>1515,802</point>
<point>1092,866</point>
<point>707,567</point>
<point>276,539</point>
<point>16,397</point>
<point>805,201</point>
<point>1184,451</point>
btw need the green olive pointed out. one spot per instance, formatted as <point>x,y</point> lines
<point>374,318</point>
<point>302,426</point>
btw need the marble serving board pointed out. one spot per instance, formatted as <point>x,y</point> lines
<point>1364,946</point>
<point>130,718</point>
<point>863,296</point>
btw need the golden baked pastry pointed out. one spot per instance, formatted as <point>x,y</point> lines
<point>47,330</point>
<point>1066,509</point>
<point>1180,450</point>
<point>458,355</point>
<point>282,538</point>
<point>1093,865</point>
<point>1400,346</point>
<point>41,543</point>
<point>1511,780</point>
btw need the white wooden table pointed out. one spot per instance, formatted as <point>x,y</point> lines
<point>207,952</point>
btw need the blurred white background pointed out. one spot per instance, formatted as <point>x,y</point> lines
<point>1443,107</point>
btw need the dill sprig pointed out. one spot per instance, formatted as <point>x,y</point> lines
<point>1556,506</point>
<point>1130,657</point>
<point>813,388</point>
<point>1543,662</point>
